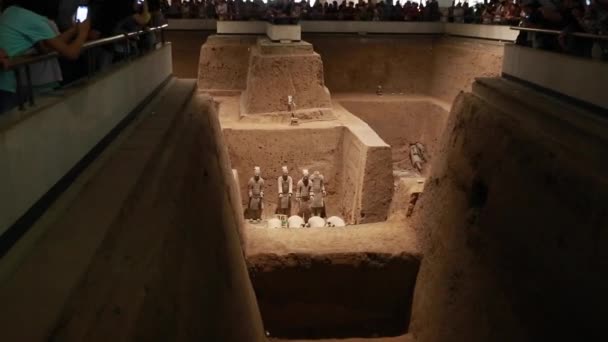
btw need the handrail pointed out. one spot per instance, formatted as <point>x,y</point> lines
<point>16,65</point>
<point>555,32</point>
<point>86,46</point>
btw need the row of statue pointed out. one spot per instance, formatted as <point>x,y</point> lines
<point>309,194</point>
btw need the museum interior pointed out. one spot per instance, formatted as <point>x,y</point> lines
<point>290,171</point>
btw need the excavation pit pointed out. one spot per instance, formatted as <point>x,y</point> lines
<point>401,120</point>
<point>356,281</point>
<point>355,162</point>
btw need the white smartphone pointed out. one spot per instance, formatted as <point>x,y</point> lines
<point>82,13</point>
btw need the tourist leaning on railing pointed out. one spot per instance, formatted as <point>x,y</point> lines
<point>564,20</point>
<point>22,32</point>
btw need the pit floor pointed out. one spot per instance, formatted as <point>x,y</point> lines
<point>391,237</point>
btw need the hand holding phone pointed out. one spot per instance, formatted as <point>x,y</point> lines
<point>82,13</point>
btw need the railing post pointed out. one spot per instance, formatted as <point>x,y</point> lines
<point>19,89</point>
<point>30,86</point>
<point>127,47</point>
<point>89,64</point>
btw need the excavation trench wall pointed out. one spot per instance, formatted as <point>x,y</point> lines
<point>402,122</point>
<point>434,66</point>
<point>334,295</point>
<point>356,170</point>
<point>514,222</point>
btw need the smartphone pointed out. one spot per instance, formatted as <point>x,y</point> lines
<point>82,13</point>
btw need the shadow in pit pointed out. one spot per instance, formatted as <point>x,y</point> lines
<point>303,296</point>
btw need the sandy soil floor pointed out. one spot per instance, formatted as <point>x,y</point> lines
<point>393,237</point>
<point>404,338</point>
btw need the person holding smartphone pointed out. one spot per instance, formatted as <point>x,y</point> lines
<point>65,16</point>
<point>21,30</point>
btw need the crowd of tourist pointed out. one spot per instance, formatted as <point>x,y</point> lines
<point>565,16</point>
<point>578,15</point>
<point>31,27</point>
<point>305,10</point>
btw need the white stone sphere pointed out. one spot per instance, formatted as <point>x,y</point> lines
<point>335,221</point>
<point>316,222</point>
<point>295,222</point>
<point>273,223</point>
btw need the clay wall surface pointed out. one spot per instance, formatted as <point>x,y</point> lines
<point>297,148</point>
<point>366,180</point>
<point>273,77</point>
<point>186,46</point>
<point>401,122</point>
<point>435,66</point>
<point>224,62</point>
<point>458,61</point>
<point>355,64</point>
<point>334,295</point>
<point>377,186</point>
<point>353,162</point>
<point>514,223</point>
<point>231,179</point>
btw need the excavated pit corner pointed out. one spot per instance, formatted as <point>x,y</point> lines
<point>336,295</point>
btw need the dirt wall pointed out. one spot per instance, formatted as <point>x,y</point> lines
<point>360,64</point>
<point>224,62</point>
<point>366,180</point>
<point>514,223</point>
<point>435,66</point>
<point>334,295</point>
<point>401,122</point>
<point>458,61</point>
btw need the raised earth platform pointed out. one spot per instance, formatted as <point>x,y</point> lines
<point>277,71</point>
<point>267,73</point>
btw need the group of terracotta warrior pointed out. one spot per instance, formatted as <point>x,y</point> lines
<point>310,195</point>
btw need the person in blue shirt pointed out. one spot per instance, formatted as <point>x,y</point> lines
<point>21,30</point>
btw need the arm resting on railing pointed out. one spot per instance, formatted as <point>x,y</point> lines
<point>70,50</point>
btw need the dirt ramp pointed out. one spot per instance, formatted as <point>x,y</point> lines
<point>514,222</point>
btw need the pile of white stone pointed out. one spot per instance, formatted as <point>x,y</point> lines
<point>298,222</point>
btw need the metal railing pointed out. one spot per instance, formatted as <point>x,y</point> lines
<point>555,32</point>
<point>20,64</point>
